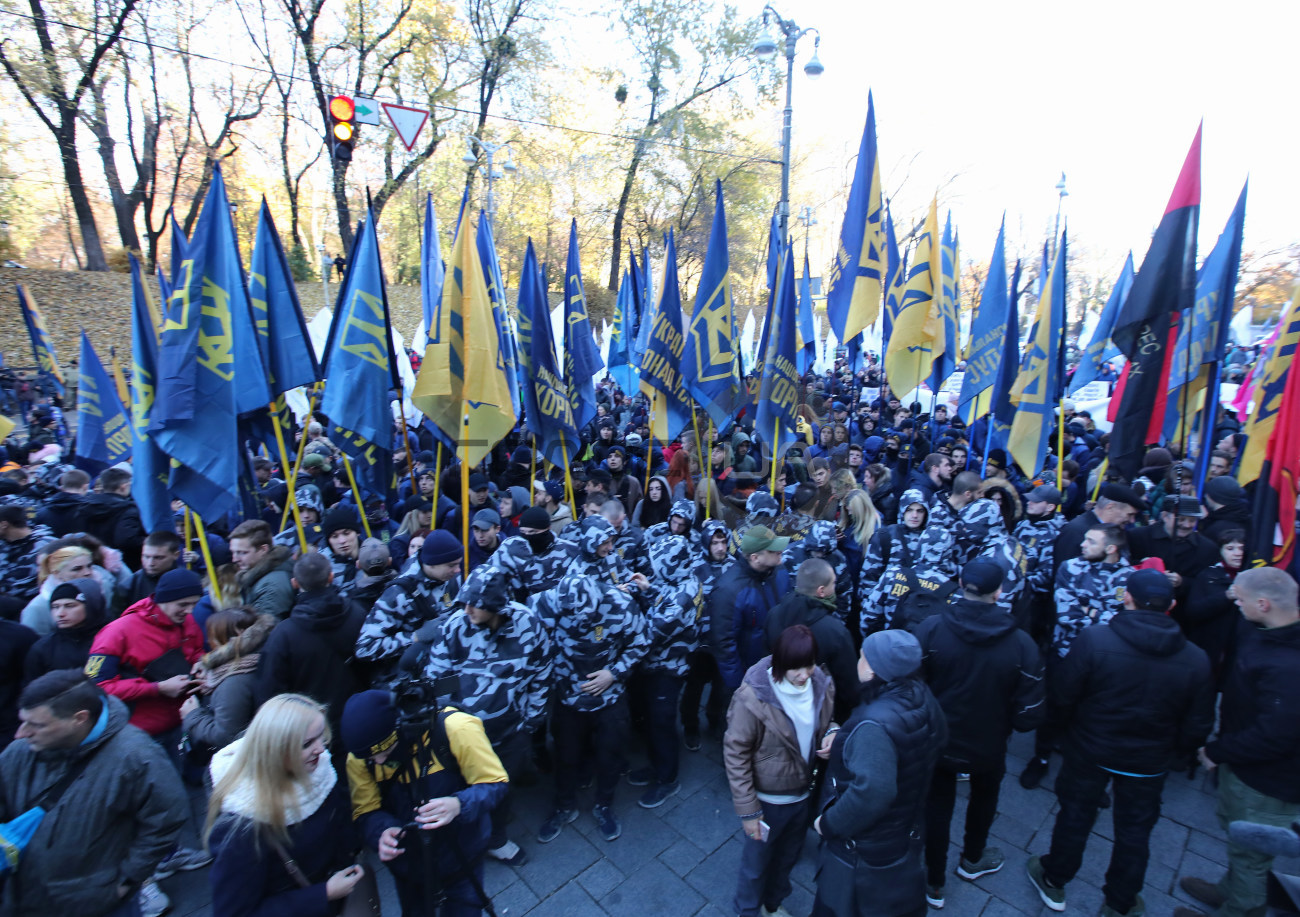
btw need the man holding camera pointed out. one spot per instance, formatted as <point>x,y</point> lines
<point>422,797</point>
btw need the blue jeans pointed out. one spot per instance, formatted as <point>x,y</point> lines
<point>765,865</point>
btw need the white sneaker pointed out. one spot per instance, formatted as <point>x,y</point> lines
<point>509,853</point>
<point>779,912</point>
<point>153,903</point>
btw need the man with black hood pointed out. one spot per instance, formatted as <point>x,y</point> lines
<point>1137,700</point>
<point>112,516</point>
<point>64,512</point>
<point>813,604</point>
<point>1226,502</point>
<point>496,657</point>
<point>988,677</point>
<point>879,772</point>
<point>309,652</point>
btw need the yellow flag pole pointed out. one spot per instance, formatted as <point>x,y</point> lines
<point>293,495</point>
<point>776,439</point>
<point>568,478</point>
<point>1060,453</point>
<point>203,547</point>
<point>189,529</point>
<point>464,499</point>
<point>292,479</point>
<point>1101,476</point>
<point>695,427</point>
<point>406,443</point>
<point>437,477</point>
<point>532,469</point>
<point>356,494</point>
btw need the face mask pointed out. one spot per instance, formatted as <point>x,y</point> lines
<point>541,542</point>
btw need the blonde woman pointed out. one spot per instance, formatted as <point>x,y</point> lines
<point>858,523</point>
<point>62,562</point>
<point>279,820</point>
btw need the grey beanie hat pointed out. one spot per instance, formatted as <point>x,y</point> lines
<point>892,654</point>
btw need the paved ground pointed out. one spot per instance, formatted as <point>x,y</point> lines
<point>680,860</point>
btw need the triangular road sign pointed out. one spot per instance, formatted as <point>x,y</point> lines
<point>407,121</point>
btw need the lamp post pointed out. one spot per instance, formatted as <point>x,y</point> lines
<point>325,265</point>
<point>765,49</point>
<point>1061,195</point>
<point>489,152</point>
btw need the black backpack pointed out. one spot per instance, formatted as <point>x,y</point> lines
<point>923,599</point>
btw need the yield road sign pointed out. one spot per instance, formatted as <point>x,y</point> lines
<point>407,121</point>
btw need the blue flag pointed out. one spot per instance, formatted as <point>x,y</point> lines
<point>209,365</point>
<point>433,272</point>
<point>643,286</point>
<point>148,463</point>
<point>360,367</point>
<point>856,282</point>
<point>1004,412</point>
<point>581,358</point>
<point>281,330</point>
<point>661,368</point>
<point>42,344</point>
<point>1100,351</point>
<point>895,280</point>
<point>180,254</point>
<point>949,270</point>
<point>988,328</point>
<point>103,432</point>
<point>623,336</point>
<point>808,323</point>
<point>778,401</point>
<point>1035,389</point>
<point>508,351</point>
<point>710,366</point>
<point>548,414</point>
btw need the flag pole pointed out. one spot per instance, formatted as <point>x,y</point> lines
<point>776,439</point>
<point>203,545</point>
<point>1101,476</point>
<point>437,477</point>
<point>695,426</point>
<point>708,509</point>
<point>292,479</point>
<point>293,494</point>
<point>406,440</point>
<point>532,469</point>
<point>464,495</point>
<point>189,529</point>
<point>568,478</point>
<point>356,494</point>
<point>1060,450</point>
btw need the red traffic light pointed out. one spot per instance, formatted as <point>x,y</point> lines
<point>342,108</point>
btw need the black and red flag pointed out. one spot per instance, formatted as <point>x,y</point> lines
<point>1147,328</point>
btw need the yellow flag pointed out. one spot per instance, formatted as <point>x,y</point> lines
<point>918,335</point>
<point>462,386</point>
<point>6,427</point>
<point>1268,394</point>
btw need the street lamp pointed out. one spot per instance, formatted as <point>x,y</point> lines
<point>765,49</point>
<point>489,152</point>
<point>1061,195</point>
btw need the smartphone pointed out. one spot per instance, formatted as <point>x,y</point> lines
<point>763,830</point>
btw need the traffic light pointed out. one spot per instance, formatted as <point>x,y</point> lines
<point>343,126</point>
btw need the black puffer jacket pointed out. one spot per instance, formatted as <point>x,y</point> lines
<point>310,652</point>
<point>988,677</point>
<point>115,520</point>
<point>1260,720</point>
<point>1136,695</point>
<point>63,513</point>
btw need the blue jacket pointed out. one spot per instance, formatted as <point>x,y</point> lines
<point>738,608</point>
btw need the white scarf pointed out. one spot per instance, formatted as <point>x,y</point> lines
<point>241,798</point>
<point>798,705</point>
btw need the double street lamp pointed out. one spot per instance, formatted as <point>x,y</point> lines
<point>765,49</point>
<point>489,152</point>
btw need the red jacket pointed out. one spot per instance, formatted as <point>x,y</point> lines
<point>125,647</point>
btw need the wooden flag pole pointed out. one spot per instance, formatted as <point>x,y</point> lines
<point>189,530</point>
<point>464,492</point>
<point>203,547</point>
<point>356,494</point>
<point>293,495</point>
<point>406,444</point>
<point>568,478</point>
<point>292,479</point>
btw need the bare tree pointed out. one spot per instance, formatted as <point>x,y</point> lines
<point>54,80</point>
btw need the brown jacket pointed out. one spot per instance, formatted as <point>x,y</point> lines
<point>760,749</point>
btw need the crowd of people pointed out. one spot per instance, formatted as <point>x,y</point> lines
<point>862,624</point>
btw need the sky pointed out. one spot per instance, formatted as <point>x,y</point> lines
<point>1003,97</point>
